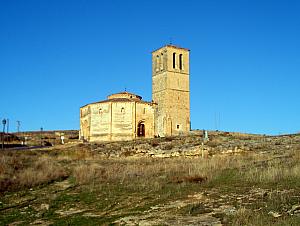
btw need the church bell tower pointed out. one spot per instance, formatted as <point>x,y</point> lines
<point>171,90</point>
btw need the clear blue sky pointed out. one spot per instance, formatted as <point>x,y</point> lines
<point>57,55</point>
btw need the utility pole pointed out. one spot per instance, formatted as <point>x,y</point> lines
<point>41,136</point>
<point>3,122</point>
<point>7,127</point>
<point>216,126</point>
<point>18,126</point>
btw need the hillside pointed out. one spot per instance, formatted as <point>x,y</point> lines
<point>232,179</point>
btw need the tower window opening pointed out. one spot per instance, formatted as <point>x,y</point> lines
<point>157,63</point>
<point>162,61</point>
<point>174,60</point>
<point>180,61</point>
<point>122,109</point>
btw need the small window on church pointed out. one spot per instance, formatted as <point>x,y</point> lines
<point>180,61</point>
<point>123,110</point>
<point>174,60</point>
<point>144,111</point>
<point>100,111</point>
<point>177,126</point>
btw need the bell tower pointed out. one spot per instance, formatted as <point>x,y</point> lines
<point>171,90</point>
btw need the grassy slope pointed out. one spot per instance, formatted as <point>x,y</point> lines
<point>76,184</point>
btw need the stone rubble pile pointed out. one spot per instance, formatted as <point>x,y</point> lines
<point>193,146</point>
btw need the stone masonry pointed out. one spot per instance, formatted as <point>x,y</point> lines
<point>125,116</point>
<point>171,90</point>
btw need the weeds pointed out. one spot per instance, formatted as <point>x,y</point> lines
<point>118,187</point>
<point>19,172</point>
<point>86,173</point>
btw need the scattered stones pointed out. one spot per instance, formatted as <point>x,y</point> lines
<point>41,222</point>
<point>193,146</point>
<point>203,208</point>
<point>274,214</point>
<point>62,186</point>
<point>228,210</point>
<point>71,211</point>
<point>164,215</point>
<point>295,210</point>
<point>44,206</point>
<point>92,215</point>
<point>16,223</point>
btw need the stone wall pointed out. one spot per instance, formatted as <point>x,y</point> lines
<point>170,90</point>
<point>116,120</point>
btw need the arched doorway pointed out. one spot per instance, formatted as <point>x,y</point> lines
<point>141,129</point>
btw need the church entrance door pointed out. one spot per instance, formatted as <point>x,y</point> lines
<point>141,129</point>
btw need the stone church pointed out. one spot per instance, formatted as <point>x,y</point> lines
<point>125,116</point>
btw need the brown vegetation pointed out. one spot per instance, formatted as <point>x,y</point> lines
<point>242,188</point>
<point>22,171</point>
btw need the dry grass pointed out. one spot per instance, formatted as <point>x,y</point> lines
<point>275,170</point>
<point>136,184</point>
<point>273,174</point>
<point>21,171</point>
<point>42,171</point>
<point>242,216</point>
<point>27,170</point>
<point>147,171</point>
<point>86,173</point>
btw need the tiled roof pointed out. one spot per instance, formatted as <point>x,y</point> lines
<point>125,93</point>
<point>170,45</point>
<point>115,100</point>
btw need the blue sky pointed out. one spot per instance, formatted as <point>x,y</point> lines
<point>57,55</point>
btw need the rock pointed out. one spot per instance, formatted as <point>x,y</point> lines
<point>44,206</point>
<point>175,154</point>
<point>16,223</point>
<point>62,185</point>
<point>295,209</point>
<point>69,212</point>
<point>229,210</point>
<point>41,222</point>
<point>92,215</point>
<point>274,214</point>
<point>162,156</point>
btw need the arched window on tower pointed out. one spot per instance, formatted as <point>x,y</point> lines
<point>157,63</point>
<point>180,61</point>
<point>162,62</point>
<point>174,60</point>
